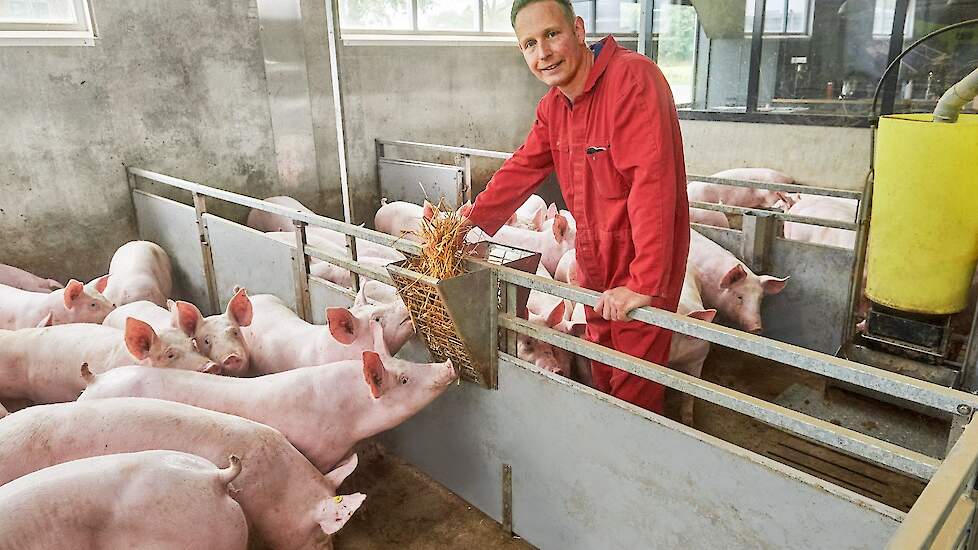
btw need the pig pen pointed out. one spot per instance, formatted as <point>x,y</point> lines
<point>565,466</point>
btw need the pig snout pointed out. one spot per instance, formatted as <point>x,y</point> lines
<point>232,364</point>
<point>755,328</point>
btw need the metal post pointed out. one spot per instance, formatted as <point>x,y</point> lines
<point>756,43</point>
<point>645,45</point>
<point>467,190</point>
<point>888,100</point>
<point>333,32</point>
<point>959,422</point>
<point>495,332</point>
<point>759,232</point>
<point>508,499</point>
<point>859,262</point>
<point>969,370</point>
<point>303,303</point>
<point>200,208</point>
<point>510,292</point>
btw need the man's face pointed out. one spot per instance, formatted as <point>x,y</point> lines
<point>552,46</point>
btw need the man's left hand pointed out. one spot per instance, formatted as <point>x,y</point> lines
<point>615,304</point>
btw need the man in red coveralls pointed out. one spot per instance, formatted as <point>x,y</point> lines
<point>609,128</point>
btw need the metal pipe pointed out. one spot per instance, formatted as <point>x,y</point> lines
<point>957,96</point>
<point>786,187</point>
<point>824,222</point>
<point>848,441</point>
<point>333,37</point>
<point>896,385</point>
<point>447,148</point>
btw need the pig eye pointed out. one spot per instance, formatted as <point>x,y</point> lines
<point>404,380</point>
<point>93,305</point>
<point>235,331</point>
<point>207,341</point>
<point>170,354</point>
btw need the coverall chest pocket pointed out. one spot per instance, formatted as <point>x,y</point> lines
<point>607,180</point>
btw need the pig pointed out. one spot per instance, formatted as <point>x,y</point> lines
<point>708,217</point>
<point>288,503</point>
<point>544,355</point>
<point>552,243</point>
<point>746,197</point>
<point>265,221</point>
<point>279,340</point>
<point>148,499</point>
<point>532,213</point>
<point>323,410</point>
<point>393,317</point>
<point>687,354</point>
<point>217,336</point>
<point>18,278</point>
<point>728,285</point>
<point>832,208</point>
<point>336,274</point>
<point>140,270</point>
<point>566,271</point>
<point>41,364</point>
<point>402,219</point>
<point>76,303</point>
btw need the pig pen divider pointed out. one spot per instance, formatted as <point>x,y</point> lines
<point>479,427</point>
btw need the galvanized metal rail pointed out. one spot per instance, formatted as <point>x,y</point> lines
<point>945,510</point>
<point>397,243</point>
<point>786,187</point>
<point>824,222</point>
<point>902,387</point>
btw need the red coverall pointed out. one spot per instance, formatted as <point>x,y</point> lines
<point>618,155</point>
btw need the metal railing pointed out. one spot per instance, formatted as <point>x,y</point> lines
<point>942,517</point>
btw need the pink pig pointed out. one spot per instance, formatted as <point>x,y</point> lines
<point>76,303</point>
<point>149,499</point>
<point>217,336</point>
<point>730,286</point>
<point>551,243</point>
<point>140,270</point>
<point>532,213</point>
<point>746,197</point>
<point>18,278</point>
<point>708,217</point>
<point>287,502</point>
<point>402,219</point>
<point>687,354</point>
<point>831,208</point>
<point>265,221</point>
<point>544,355</point>
<point>279,340</point>
<point>337,404</point>
<point>41,364</point>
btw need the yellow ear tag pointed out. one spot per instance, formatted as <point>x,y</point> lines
<point>337,499</point>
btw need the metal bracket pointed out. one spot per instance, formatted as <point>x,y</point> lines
<point>759,231</point>
<point>959,422</point>
<point>508,499</point>
<point>207,257</point>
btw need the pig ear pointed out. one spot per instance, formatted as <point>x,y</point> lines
<point>429,211</point>
<point>101,283</point>
<point>140,338</point>
<point>239,308</point>
<point>560,228</point>
<point>511,220</point>
<point>373,373</point>
<point>556,315</point>
<point>552,211</point>
<point>338,510</point>
<point>186,317</point>
<point>46,321</point>
<point>465,209</point>
<point>341,471</point>
<point>578,328</point>
<point>539,217</point>
<point>703,314</point>
<point>341,324</point>
<point>735,275</point>
<point>73,291</point>
<point>773,285</point>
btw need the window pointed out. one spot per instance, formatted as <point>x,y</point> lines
<point>818,61</point>
<point>46,22</point>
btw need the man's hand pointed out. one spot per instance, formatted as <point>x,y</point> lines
<point>615,304</point>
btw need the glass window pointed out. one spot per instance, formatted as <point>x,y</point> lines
<point>676,27</point>
<point>376,14</point>
<point>448,15</point>
<point>495,14</point>
<point>780,16</point>
<point>584,11</point>
<point>883,12</point>
<point>37,11</point>
<point>617,16</point>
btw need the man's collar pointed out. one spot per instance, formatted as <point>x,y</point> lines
<point>608,48</point>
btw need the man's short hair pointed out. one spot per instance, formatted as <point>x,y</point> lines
<point>564,5</point>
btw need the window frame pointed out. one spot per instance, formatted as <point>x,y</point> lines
<point>81,32</point>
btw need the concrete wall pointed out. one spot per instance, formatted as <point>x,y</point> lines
<point>163,90</point>
<point>176,87</point>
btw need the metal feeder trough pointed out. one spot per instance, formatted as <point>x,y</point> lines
<point>456,317</point>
